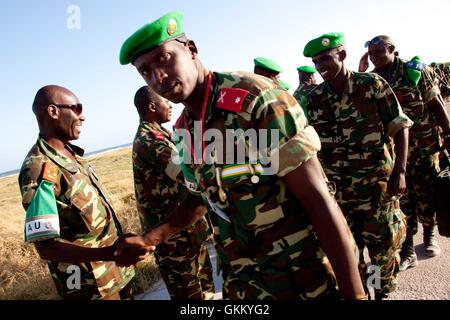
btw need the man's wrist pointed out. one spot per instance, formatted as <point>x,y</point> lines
<point>107,254</point>
<point>155,236</point>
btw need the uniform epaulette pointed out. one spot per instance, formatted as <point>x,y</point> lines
<point>50,172</point>
<point>231,99</point>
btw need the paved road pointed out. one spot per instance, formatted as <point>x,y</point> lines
<point>430,280</point>
<point>159,291</point>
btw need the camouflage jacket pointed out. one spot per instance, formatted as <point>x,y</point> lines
<point>355,130</point>
<point>424,134</point>
<point>86,218</point>
<point>303,90</point>
<point>158,181</point>
<point>264,236</point>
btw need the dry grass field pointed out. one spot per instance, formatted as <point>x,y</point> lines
<point>23,275</point>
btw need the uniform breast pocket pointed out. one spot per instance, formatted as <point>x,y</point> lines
<point>367,130</point>
<point>411,102</point>
<point>326,129</point>
<point>85,200</point>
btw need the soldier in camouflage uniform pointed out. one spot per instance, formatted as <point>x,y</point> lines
<point>415,88</point>
<point>270,224</point>
<point>307,82</point>
<point>183,260</point>
<point>442,71</point>
<point>356,115</point>
<point>69,215</point>
<point>270,69</point>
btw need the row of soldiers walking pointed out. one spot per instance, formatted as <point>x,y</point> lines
<point>354,155</point>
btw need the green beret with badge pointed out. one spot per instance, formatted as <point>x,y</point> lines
<point>151,35</point>
<point>307,69</point>
<point>267,64</point>
<point>324,42</point>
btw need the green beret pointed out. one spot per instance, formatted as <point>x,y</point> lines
<point>267,64</point>
<point>284,84</point>
<point>168,27</point>
<point>322,43</point>
<point>307,69</point>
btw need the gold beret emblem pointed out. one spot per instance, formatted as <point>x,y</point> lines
<point>171,27</point>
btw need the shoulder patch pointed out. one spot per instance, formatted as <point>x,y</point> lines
<point>158,135</point>
<point>416,65</point>
<point>50,172</point>
<point>231,99</point>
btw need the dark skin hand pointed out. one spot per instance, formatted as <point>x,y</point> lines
<point>190,211</point>
<point>364,62</point>
<point>329,225</point>
<point>397,182</point>
<point>71,253</point>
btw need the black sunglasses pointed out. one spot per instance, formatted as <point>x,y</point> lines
<point>77,108</point>
<point>376,42</point>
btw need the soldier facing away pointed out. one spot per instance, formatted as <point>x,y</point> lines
<point>269,225</point>
<point>356,115</point>
<point>416,89</point>
<point>270,69</point>
<point>183,260</point>
<point>69,215</point>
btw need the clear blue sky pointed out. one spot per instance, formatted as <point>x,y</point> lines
<point>38,49</point>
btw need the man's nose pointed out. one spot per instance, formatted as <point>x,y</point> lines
<point>158,76</point>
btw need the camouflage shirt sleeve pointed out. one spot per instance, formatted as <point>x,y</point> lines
<point>297,142</point>
<point>28,182</point>
<point>390,111</point>
<point>428,85</point>
<point>160,155</point>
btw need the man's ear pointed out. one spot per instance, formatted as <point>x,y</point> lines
<point>151,107</point>
<point>53,111</point>
<point>342,55</point>
<point>192,48</point>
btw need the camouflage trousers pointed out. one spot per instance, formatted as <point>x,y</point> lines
<point>186,268</point>
<point>418,203</point>
<point>381,227</point>
<point>304,275</point>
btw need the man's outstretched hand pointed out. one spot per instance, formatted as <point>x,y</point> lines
<point>129,249</point>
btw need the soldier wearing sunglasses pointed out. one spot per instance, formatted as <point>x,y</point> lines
<point>69,216</point>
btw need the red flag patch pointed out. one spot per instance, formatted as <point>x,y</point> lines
<point>50,172</point>
<point>231,99</point>
<point>158,135</point>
